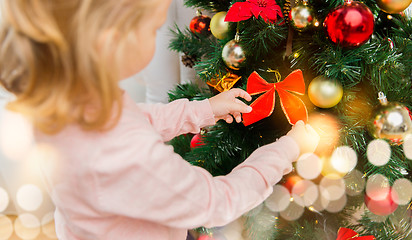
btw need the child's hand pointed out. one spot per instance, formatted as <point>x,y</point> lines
<point>225,105</point>
<point>305,136</point>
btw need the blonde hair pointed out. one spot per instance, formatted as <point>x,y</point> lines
<point>51,58</point>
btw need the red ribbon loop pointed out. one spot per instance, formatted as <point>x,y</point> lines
<point>263,106</point>
<point>349,234</point>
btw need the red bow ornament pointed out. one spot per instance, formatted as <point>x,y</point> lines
<point>263,106</point>
<point>269,10</point>
<point>349,234</point>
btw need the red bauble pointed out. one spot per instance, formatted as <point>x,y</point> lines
<point>205,237</point>
<point>349,25</point>
<point>196,140</point>
<point>291,182</point>
<point>200,25</point>
<point>381,204</point>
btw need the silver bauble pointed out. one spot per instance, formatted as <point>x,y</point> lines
<point>233,55</point>
<point>302,17</point>
<point>391,121</point>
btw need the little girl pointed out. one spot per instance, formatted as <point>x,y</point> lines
<point>112,176</point>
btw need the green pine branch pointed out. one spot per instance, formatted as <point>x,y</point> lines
<point>216,5</point>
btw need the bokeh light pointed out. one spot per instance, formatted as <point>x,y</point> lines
<point>336,205</point>
<point>29,197</point>
<point>46,156</point>
<point>407,146</point>
<point>344,159</point>
<point>379,198</point>
<point>309,166</point>
<point>16,136</point>
<point>377,187</point>
<point>402,191</point>
<point>379,152</point>
<point>293,212</point>
<point>355,183</point>
<point>279,200</point>
<point>327,126</point>
<point>27,226</point>
<point>320,204</point>
<point>6,227</point>
<point>48,226</point>
<point>382,206</point>
<point>4,199</point>
<point>332,188</point>
<point>305,193</point>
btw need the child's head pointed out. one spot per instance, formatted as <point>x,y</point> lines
<point>63,58</point>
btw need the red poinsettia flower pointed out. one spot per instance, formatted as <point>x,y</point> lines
<point>269,10</point>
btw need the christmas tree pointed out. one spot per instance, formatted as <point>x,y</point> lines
<point>342,66</point>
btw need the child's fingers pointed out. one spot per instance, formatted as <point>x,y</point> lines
<point>240,106</point>
<point>237,116</point>
<point>229,119</point>
<point>241,93</point>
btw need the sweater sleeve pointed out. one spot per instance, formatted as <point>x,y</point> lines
<point>178,117</point>
<point>176,194</point>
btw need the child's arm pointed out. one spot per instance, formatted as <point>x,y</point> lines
<point>182,116</point>
<point>143,185</point>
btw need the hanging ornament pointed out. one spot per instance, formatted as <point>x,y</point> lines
<point>263,106</point>
<point>225,83</point>
<point>383,204</point>
<point>291,181</point>
<point>349,234</point>
<point>391,121</point>
<point>233,55</point>
<point>206,237</point>
<point>302,17</point>
<point>349,25</point>
<point>324,92</point>
<point>269,10</point>
<point>218,26</point>
<point>393,6</point>
<point>197,140</point>
<point>200,24</point>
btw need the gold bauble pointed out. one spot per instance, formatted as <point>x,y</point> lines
<point>393,6</point>
<point>324,92</point>
<point>218,26</point>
